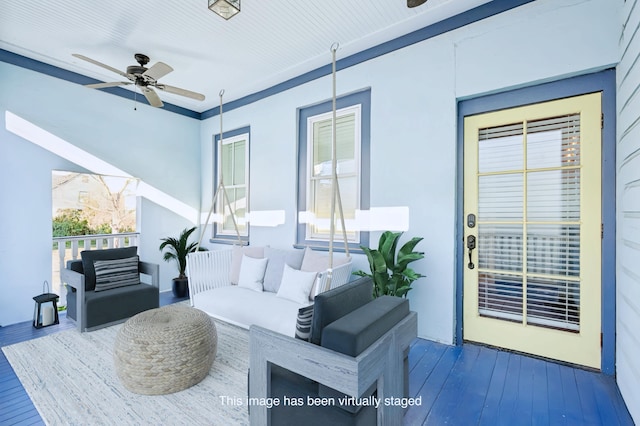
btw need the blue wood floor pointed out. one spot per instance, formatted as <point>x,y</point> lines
<point>456,385</point>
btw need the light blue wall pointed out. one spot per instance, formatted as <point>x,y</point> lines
<point>628,217</point>
<point>414,92</point>
<point>414,95</point>
<point>159,147</point>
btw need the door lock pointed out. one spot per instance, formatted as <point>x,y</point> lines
<point>471,220</point>
<point>471,244</point>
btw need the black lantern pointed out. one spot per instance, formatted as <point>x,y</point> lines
<point>45,312</point>
<point>225,8</point>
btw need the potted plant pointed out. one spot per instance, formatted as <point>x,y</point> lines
<point>390,272</point>
<point>178,249</point>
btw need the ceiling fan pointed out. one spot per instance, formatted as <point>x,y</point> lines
<point>144,78</point>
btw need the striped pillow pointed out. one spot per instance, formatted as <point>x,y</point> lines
<point>303,325</point>
<point>116,273</point>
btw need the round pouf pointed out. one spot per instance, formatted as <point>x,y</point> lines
<point>165,350</point>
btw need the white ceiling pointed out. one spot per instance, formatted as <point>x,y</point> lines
<point>268,42</point>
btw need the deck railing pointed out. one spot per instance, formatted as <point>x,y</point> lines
<point>69,248</point>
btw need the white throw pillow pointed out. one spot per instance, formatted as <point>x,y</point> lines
<point>236,259</point>
<point>252,272</point>
<point>296,285</point>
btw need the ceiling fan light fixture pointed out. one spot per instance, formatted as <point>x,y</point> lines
<point>225,8</point>
<point>415,3</point>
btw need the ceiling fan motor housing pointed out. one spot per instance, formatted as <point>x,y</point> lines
<point>136,70</point>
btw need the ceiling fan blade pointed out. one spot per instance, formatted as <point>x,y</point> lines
<point>100,64</point>
<point>104,85</point>
<point>158,70</point>
<point>152,97</point>
<point>181,92</point>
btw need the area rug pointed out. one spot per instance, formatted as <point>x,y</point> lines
<point>71,380</point>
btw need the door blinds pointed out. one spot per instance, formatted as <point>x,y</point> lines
<point>529,222</point>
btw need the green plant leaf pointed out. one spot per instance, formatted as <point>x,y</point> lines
<point>409,246</point>
<point>404,260</point>
<point>391,276</point>
<point>178,249</point>
<point>402,291</point>
<point>387,246</point>
<point>381,283</point>
<point>376,261</point>
<point>411,275</point>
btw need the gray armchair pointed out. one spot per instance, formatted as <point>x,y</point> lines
<point>104,288</point>
<point>358,348</point>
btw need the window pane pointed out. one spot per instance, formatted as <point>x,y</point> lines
<point>227,163</point>
<point>553,249</point>
<point>322,201</point>
<point>345,145</point>
<point>553,303</point>
<point>553,195</point>
<point>554,142</point>
<point>500,197</point>
<point>239,163</point>
<point>500,148</point>
<point>500,247</point>
<point>238,203</point>
<point>500,296</point>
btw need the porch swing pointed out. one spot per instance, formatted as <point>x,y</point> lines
<point>206,268</point>
<point>221,192</point>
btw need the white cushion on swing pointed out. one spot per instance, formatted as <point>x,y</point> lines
<point>244,307</point>
<point>296,285</point>
<point>252,273</point>
<point>236,260</point>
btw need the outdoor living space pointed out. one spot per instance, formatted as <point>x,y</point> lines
<point>460,385</point>
<point>479,160</point>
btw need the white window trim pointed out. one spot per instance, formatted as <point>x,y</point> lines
<point>219,232</point>
<point>357,110</point>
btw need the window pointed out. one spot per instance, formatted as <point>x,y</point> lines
<point>232,168</point>
<point>315,168</point>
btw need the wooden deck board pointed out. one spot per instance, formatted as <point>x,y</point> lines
<point>507,413</point>
<point>540,394</point>
<point>555,400</point>
<point>459,385</point>
<point>523,404</point>
<point>445,407</point>
<point>431,388</point>
<point>588,402</point>
<point>493,397</point>
<point>472,402</point>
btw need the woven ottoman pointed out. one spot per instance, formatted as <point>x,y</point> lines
<point>165,350</point>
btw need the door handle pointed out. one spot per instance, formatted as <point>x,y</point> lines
<point>471,244</point>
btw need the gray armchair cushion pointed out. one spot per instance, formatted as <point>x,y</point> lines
<point>89,256</point>
<point>75,265</point>
<point>119,303</point>
<point>356,331</point>
<point>336,303</point>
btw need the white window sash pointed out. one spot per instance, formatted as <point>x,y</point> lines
<point>230,188</point>
<point>311,228</point>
